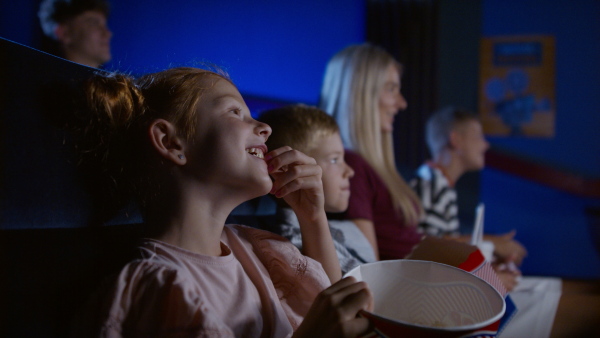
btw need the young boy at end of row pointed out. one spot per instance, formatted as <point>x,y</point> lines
<point>313,132</point>
<point>457,145</point>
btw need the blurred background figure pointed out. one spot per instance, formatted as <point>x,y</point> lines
<point>457,145</point>
<point>79,30</point>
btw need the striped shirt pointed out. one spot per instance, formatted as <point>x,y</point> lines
<point>439,201</point>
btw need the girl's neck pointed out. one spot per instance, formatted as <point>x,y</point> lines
<point>190,220</point>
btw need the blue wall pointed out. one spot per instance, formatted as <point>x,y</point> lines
<point>552,224</point>
<point>576,28</point>
<point>270,48</point>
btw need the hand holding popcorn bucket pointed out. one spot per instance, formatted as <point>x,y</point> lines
<point>440,296</point>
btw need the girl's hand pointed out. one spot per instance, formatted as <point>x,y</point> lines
<point>297,179</point>
<point>334,312</point>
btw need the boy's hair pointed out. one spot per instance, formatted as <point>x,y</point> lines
<point>298,126</point>
<point>55,12</point>
<point>441,123</point>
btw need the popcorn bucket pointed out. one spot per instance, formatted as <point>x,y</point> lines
<point>428,299</point>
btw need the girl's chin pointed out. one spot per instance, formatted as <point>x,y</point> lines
<point>266,187</point>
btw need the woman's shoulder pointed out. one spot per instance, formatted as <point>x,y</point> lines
<point>351,156</point>
<point>358,163</point>
<point>364,174</point>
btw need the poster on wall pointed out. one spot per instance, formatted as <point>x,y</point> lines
<point>517,86</point>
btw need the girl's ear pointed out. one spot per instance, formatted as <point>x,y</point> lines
<point>164,139</point>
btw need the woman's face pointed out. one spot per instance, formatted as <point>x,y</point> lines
<point>390,99</point>
<point>229,146</point>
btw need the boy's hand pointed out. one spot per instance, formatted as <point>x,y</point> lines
<point>507,249</point>
<point>297,179</point>
<point>334,313</point>
<point>509,274</point>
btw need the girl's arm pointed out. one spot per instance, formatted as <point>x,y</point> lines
<point>297,179</point>
<point>318,244</point>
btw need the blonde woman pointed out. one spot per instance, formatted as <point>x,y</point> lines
<point>361,90</point>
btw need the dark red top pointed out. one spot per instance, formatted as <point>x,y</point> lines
<point>371,200</point>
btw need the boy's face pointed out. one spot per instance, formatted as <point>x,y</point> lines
<point>329,154</point>
<point>86,39</point>
<point>472,145</point>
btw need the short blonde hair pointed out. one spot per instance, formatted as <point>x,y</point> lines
<point>442,123</point>
<point>299,126</point>
<point>353,81</point>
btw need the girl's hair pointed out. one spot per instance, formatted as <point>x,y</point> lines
<point>441,123</point>
<point>298,126</point>
<point>353,81</point>
<point>113,145</point>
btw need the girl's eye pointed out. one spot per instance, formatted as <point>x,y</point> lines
<point>237,111</point>
<point>334,160</point>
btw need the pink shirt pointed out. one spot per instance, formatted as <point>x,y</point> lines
<point>262,286</point>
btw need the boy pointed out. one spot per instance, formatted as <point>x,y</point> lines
<point>79,27</point>
<point>313,132</point>
<point>457,145</point>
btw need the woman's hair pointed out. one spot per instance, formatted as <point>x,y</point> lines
<point>298,126</point>
<point>441,124</point>
<point>113,144</point>
<point>353,81</point>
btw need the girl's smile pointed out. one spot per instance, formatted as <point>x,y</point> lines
<point>258,151</point>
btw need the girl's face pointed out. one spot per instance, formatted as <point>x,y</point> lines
<point>471,145</point>
<point>229,146</point>
<point>390,99</point>
<point>329,155</point>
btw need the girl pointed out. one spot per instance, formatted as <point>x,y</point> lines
<point>182,142</point>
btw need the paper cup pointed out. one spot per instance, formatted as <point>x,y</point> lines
<point>427,299</point>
